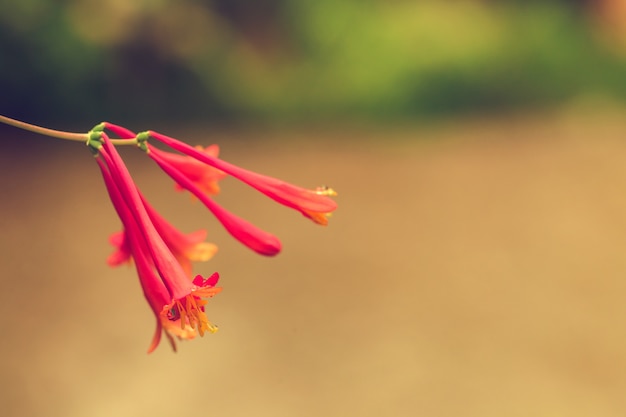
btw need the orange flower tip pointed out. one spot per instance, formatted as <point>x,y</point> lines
<point>211,187</point>
<point>318,218</point>
<point>201,252</point>
<point>156,339</point>
<point>325,190</point>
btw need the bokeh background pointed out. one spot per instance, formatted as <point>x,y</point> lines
<point>475,266</point>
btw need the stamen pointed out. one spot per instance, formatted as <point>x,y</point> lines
<point>325,190</point>
<point>190,311</point>
<point>183,314</point>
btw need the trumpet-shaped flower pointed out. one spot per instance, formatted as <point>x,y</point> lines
<point>313,204</point>
<point>176,301</point>
<point>161,253</point>
<point>185,247</point>
<point>256,239</point>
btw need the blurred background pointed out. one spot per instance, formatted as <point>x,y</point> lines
<point>475,266</point>
<point>284,61</point>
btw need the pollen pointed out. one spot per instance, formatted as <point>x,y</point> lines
<point>325,190</point>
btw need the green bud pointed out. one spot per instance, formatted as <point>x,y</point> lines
<point>94,141</point>
<point>142,139</point>
<point>98,128</point>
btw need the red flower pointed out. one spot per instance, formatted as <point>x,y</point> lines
<point>161,253</point>
<point>247,233</point>
<point>314,204</point>
<point>176,301</point>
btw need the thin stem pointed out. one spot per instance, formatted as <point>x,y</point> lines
<point>131,141</point>
<point>59,134</point>
<point>44,131</point>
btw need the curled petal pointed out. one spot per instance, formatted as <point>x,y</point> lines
<point>122,254</point>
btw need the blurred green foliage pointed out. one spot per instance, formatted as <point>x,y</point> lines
<point>296,60</point>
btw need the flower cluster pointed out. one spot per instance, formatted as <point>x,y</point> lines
<point>161,253</point>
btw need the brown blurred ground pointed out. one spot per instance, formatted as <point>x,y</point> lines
<point>473,269</point>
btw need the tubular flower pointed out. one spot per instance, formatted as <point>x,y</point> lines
<point>176,301</point>
<point>185,247</point>
<point>313,204</point>
<point>161,253</point>
<point>256,239</point>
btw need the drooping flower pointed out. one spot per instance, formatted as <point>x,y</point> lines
<point>161,253</point>
<point>198,171</point>
<point>176,301</point>
<point>256,239</point>
<point>313,204</point>
<point>185,247</point>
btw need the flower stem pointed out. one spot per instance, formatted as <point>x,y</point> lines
<point>59,134</point>
<point>44,131</point>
